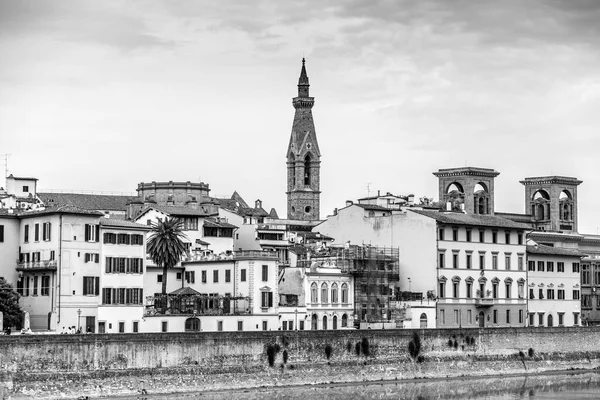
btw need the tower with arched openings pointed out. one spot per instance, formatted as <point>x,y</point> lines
<point>303,158</point>
<point>552,202</point>
<point>468,189</point>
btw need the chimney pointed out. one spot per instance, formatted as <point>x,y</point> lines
<point>349,203</point>
<point>335,211</point>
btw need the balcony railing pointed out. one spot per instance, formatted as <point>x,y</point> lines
<point>200,304</point>
<point>484,302</point>
<point>37,265</point>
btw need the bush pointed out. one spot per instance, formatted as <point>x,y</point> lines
<point>450,342</point>
<point>271,352</point>
<point>357,349</point>
<point>285,356</point>
<point>521,355</point>
<point>420,359</point>
<point>455,344</point>
<point>414,346</point>
<point>328,351</point>
<point>349,346</point>
<point>364,346</point>
<point>531,353</point>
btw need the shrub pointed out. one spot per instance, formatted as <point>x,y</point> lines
<point>450,342</point>
<point>414,346</point>
<point>472,341</point>
<point>521,355</point>
<point>357,349</point>
<point>531,353</point>
<point>277,348</point>
<point>349,346</point>
<point>271,352</point>
<point>328,351</point>
<point>420,359</point>
<point>364,346</point>
<point>455,344</point>
<point>285,356</point>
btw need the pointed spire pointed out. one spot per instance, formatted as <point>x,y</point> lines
<point>303,81</point>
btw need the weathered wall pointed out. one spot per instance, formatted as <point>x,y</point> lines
<point>47,364</point>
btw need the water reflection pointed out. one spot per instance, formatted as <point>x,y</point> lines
<point>552,386</point>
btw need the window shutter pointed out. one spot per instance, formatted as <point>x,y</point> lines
<point>270,299</point>
<point>141,296</point>
<point>96,258</point>
<point>87,232</point>
<point>97,233</point>
<point>84,286</point>
<point>105,237</point>
<point>49,231</point>
<point>97,286</point>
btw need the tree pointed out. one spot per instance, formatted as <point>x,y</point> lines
<point>9,305</point>
<point>166,247</point>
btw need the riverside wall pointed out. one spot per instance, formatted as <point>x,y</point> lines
<point>102,364</point>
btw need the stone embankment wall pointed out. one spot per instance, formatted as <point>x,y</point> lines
<point>128,363</point>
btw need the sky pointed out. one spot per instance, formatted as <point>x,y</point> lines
<point>102,95</point>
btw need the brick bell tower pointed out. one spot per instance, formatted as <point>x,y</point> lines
<point>303,158</point>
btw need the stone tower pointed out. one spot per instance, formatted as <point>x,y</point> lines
<point>552,202</point>
<point>468,189</point>
<point>303,158</point>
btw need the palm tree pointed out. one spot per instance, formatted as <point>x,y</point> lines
<point>166,247</point>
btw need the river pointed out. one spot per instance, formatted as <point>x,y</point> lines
<point>573,385</point>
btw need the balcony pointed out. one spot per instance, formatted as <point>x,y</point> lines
<point>46,265</point>
<point>484,302</point>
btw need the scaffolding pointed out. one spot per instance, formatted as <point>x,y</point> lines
<point>376,272</point>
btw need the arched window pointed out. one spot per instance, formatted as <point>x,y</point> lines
<point>344,321</point>
<point>293,169</point>
<point>344,293</point>
<point>324,322</point>
<point>314,293</point>
<point>324,297</point>
<point>307,170</point>
<point>313,322</point>
<point>335,322</point>
<point>334,293</point>
<point>423,321</point>
<point>550,320</point>
<point>192,325</point>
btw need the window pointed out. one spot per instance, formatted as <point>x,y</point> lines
<point>531,319</point>
<point>220,326</point>
<point>508,287</point>
<point>265,325</point>
<point>508,316</point>
<point>110,238</point>
<point>560,267</point>
<point>203,276</point>
<point>313,293</point>
<point>541,294</point>
<point>123,238</point>
<point>455,289</point>
<point>164,326</point>
<point>45,286</point>
<point>35,285</point>
<point>137,240</point>
<point>520,316</point>
<point>159,278</point>
<point>324,296</point>
<point>36,232</point>
<point>266,299</point>
<point>507,237</point>
<point>441,233</point>
<point>586,300</point>
<point>283,326</point>
<point>216,276</point>
<point>456,317</point>
<point>585,274</point>
<point>495,316</point>
<point>469,290</point>
<point>520,262</point>
<point>507,261</point>
<point>442,316</point>
<point>441,258</point>
<point>575,294</point>
<point>561,319</point>
<point>455,234</point>
<point>121,327</point>
<point>227,275</point>
<point>442,290</point>
<point>1,233</point>
<point>243,275</point>
<point>190,276</point>
<point>469,257</point>
<point>481,236</point>
<point>302,325</point>
<point>482,260</point>
<point>540,265</point>
<point>494,261</point>
<point>192,325</point>
<point>91,285</point>
<point>26,234</point>
<point>531,265</point>
<point>454,260</point>
<point>334,294</point>
<point>468,235</point>
<point>25,189</point>
<point>550,266</point>
<point>344,294</point>
<point>550,294</point>
<point>92,233</point>
<point>240,325</point>
<point>46,231</point>
<point>521,288</point>
<point>135,328</point>
<point>561,294</point>
<point>495,290</point>
<point>494,237</point>
<point>576,267</point>
<point>575,318</point>
<point>596,274</point>
<point>469,317</point>
<point>520,238</point>
<point>179,276</point>
<point>265,273</point>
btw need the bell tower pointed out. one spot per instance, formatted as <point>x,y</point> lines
<point>303,158</point>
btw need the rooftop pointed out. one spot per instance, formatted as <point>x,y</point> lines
<point>459,218</point>
<point>178,211</point>
<point>121,223</point>
<point>556,251</point>
<point>87,201</point>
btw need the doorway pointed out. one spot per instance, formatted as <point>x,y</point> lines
<point>423,321</point>
<point>481,319</point>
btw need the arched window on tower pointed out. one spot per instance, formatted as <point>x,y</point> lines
<point>481,199</point>
<point>566,206</point>
<point>293,169</point>
<point>307,170</point>
<point>540,205</point>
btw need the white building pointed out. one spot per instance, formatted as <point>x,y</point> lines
<point>554,286</point>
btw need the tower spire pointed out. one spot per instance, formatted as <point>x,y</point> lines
<point>303,84</point>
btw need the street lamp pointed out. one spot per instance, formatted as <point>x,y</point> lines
<point>78,319</point>
<point>296,314</point>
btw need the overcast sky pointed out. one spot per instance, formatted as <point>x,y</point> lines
<point>101,95</point>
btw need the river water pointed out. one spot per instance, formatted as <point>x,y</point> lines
<point>575,385</point>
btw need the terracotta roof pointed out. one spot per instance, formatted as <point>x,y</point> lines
<point>298,249</point>
<point>213,223</point>
<point>555,251</point>
<point>373,207</point>
<point>471,219</point>
<point>184,291</point>
<point>121,223</point>
<point>273,213</point>
<point>253,212</point>
<point>22,177</point>
<point>314,235</point>
<point>59,210</point>
<point>87,201</point>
